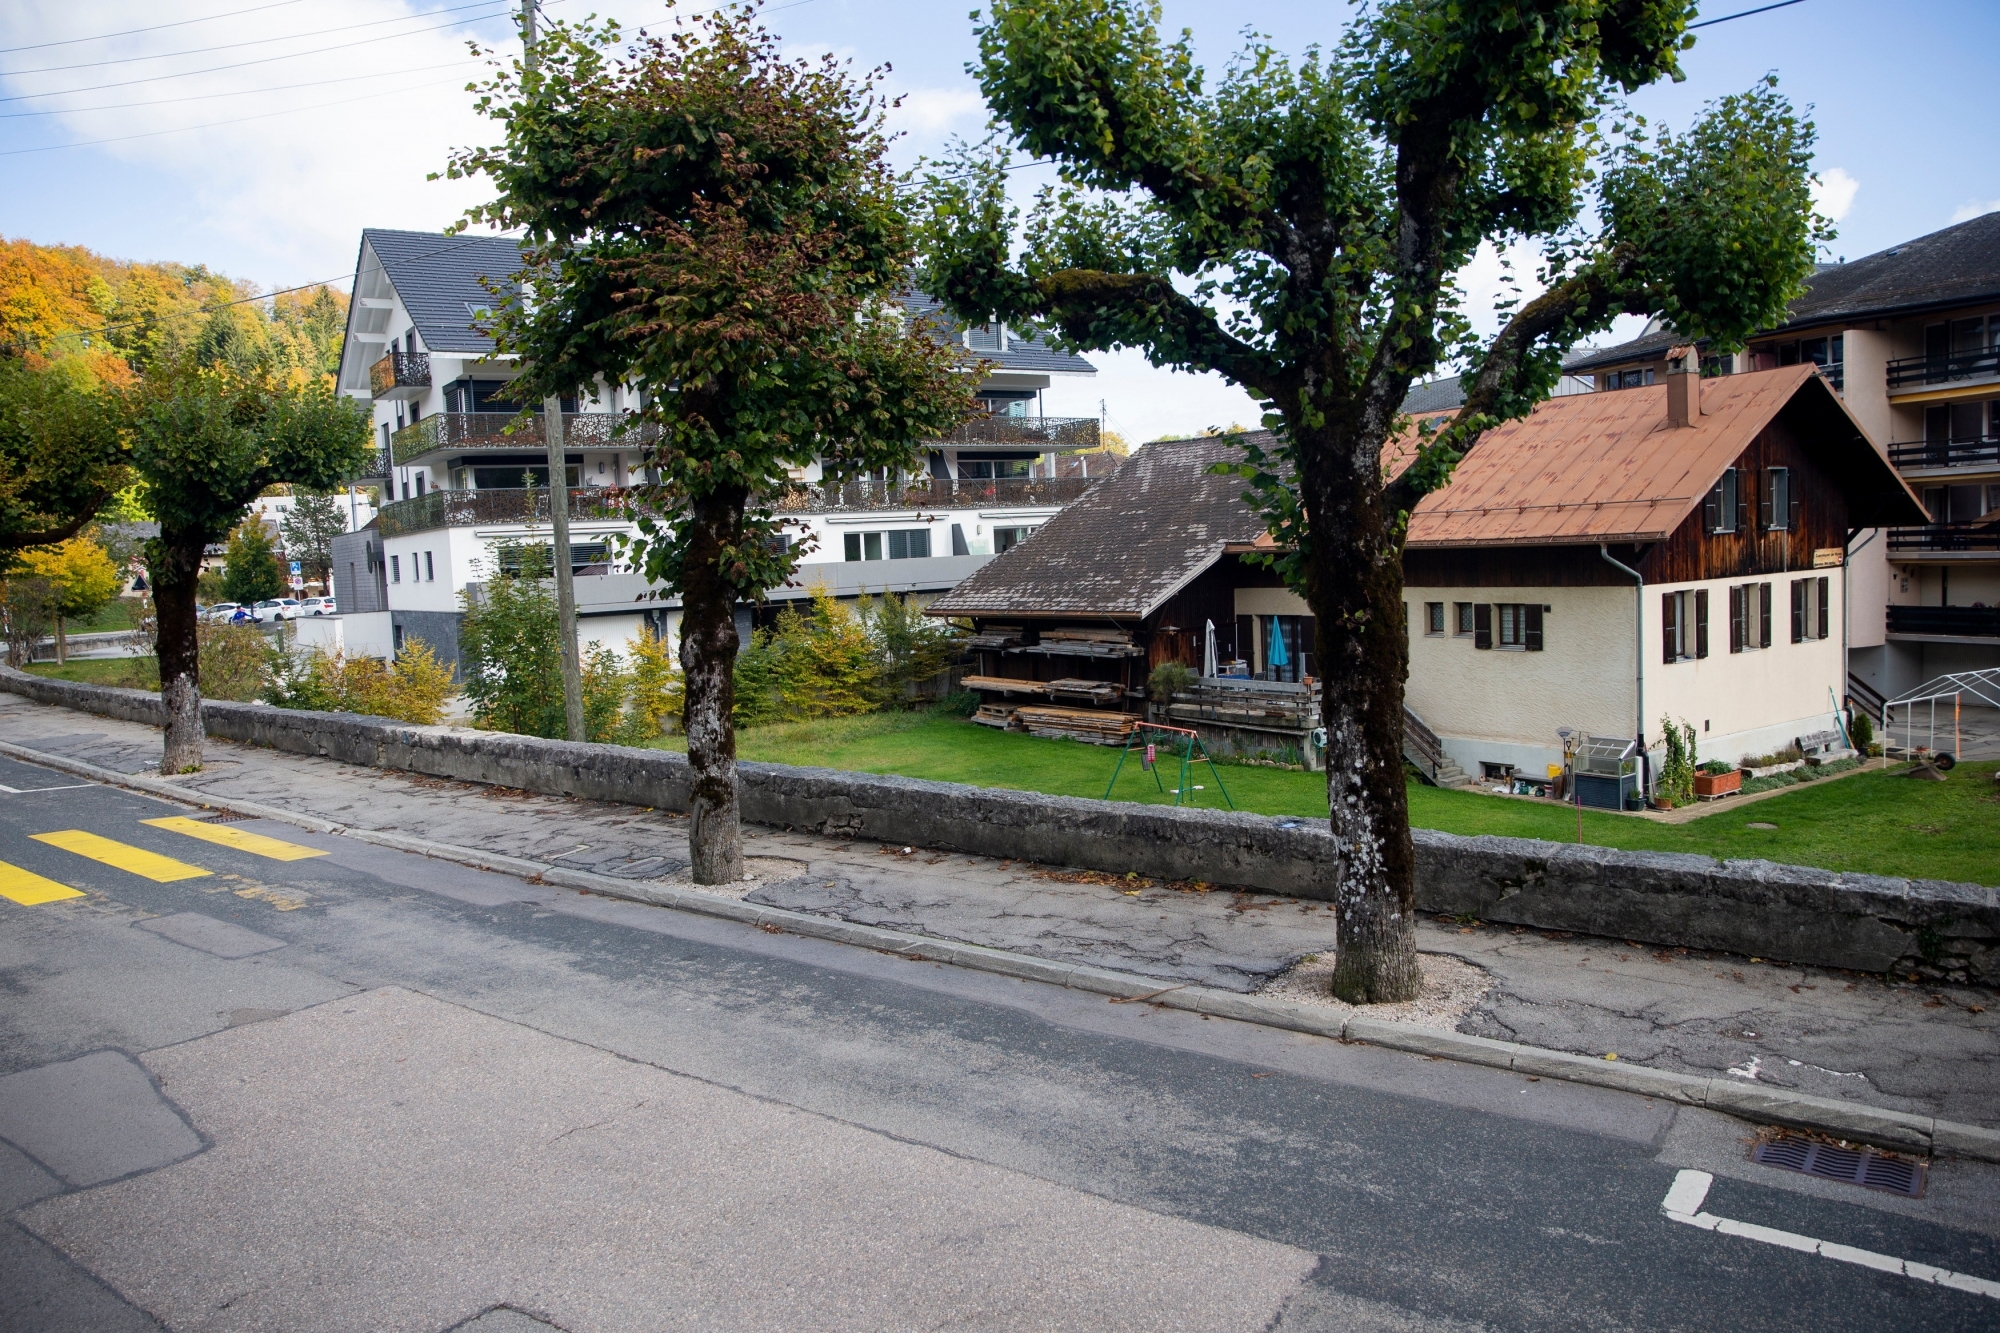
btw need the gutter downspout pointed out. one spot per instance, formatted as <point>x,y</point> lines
<point>1638,652</point>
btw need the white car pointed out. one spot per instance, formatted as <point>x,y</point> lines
<point>276,608</point>
<point>318,606</point>
<point>217,614</point>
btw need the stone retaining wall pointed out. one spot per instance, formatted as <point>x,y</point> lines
<point>1870,923</point>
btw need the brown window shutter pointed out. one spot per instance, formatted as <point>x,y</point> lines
<point>1763,615</point>
<point>1736,635</point>
<point>1822,608</point>
<point>1798,610</point>
<point>1764,500</point>
<point>1482,625</point>
<point>1532,626</point>
<point>1669,628</point>
<point>1701,622</point>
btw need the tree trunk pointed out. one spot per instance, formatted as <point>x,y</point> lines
<point>708,667</point>
<point>1355,588</point>
<point>175,563</point>
<point>62,641</point>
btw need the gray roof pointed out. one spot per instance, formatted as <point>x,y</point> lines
<point>1436,395</point>
<point>1024,354</point>
<point>1646,347</point>
<point>1133,541</point>
<point>437,278</point>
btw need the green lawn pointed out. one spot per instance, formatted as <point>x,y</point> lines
<point>116,615</point>
<point>1877,822</point>
<point>128,673</point>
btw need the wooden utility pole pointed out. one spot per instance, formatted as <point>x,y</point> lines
<point>552,431</point>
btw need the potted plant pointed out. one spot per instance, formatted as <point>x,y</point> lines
<point>1716,778</point>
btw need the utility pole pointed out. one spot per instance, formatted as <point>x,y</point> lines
<point>552,432</point>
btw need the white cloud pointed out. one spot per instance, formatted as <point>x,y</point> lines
<point>1833,193</point>
<point>1976,209</point>
<point>1146,403</point>
<point>930,111</point>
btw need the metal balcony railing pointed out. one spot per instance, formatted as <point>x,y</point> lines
<point>1970,451</point>
<point>1970,621</point>
<point>474,508</point>
<point>490,430</point>
<point>933,493</point>
<point>1912,372</point>
<point>1835,373</point>
<point>1058,434</point>
<point>1939,538</point>
<point>400,375</point>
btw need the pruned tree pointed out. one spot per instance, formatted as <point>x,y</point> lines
<point>62,453</point>
<point>718,224</point>
<point>207,443</point>
<point>1297,229</point>
<point>309,528</point>
<point>250,569</point>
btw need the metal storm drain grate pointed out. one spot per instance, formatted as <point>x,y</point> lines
<point>1853,1166</point>
<point>227,817</point>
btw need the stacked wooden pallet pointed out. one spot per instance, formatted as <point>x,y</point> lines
<point>996,715</point>
<point>1004,685</point>
<point>1077,724</point>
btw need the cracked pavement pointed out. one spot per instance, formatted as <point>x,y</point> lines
<point>1843,1035</point>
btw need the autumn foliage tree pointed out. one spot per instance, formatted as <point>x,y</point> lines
<point>1297,227</point>
<point>717,224</point>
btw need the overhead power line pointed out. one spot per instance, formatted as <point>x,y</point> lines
<point>1710,23</point>
<point>238,92</point>
<point>157,27</point>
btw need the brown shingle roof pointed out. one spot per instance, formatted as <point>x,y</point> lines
<point>1134,539</point>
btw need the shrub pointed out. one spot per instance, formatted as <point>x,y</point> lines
<point>1169,679</point>
<point>1791,754</point>
<point>1715,768</point>
<point>605,685</point>
<point>1861,730</point>
<point>1677,773</point>
<point>250,571</point>
<point>656,694</point>
<point>912,647</point>
<point>818,663</point>
<point>412,689</point>
<point>509,650</point>
<point>959,703</point>
<point>233,662</point>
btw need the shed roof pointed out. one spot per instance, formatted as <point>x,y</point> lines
<point>1133,541</point>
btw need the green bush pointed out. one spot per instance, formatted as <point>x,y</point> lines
<point>412,689</point>
<point>1677,773</point>
<point>509,649</point>
<point>1861,730</point>
<point>250,569</point>
<point>1169,679</point>
<point>233,662</point>
<point>959,703</point>
<point>1715,768</point>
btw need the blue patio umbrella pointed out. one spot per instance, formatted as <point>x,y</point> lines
<point>1278,657</point>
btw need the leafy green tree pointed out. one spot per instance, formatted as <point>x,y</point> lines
<point>1296,228</point>
<point>509,648</point>
<point>720,224</point>
<point>207,443</point>
<point>912,647</point>
<point>309,528</point>
<point>81,579</point>
<point>250,569</point>
<point>62,453</point>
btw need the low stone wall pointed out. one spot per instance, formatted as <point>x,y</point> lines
<point>1869,923</point>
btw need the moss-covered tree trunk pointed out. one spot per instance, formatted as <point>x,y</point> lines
<point>175,563</point>
<point>708,666</point>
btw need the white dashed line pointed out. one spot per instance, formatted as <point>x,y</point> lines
<point>1690,1189</point>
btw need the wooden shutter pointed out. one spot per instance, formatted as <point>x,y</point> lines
<point>1763,615</point>
<point>1711,509</point>
<point>1701,622</point>
<point>1798,610</point>
<point>1736,625</point>
<point>1822,608</point>
<point>1531,621</point>
<point>1482,625</point>
<point>1764,499</point>
<point>1669,627</point>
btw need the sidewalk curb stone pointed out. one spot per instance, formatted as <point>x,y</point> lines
<point>1851,1120</point>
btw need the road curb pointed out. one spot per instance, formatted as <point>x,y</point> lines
<point>1746,1101</point>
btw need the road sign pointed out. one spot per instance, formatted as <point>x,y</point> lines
<point>297,583</point>
<point>297,569</point>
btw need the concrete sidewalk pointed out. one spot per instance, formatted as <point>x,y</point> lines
<point>1828,1034</point>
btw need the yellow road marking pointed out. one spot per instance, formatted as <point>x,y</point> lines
<point>29,889</point>
<point>137,860</point>
<point>256,844</point>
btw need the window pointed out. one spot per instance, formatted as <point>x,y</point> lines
<point>395,569</point>
<point>910,544</point>
<point>958,542</point>
<point>1628,379</point>
<point>1462,618</point>
<point>1684,625</point>
<point>1777,508</point>
<point>1809,609</point>
<point>1519,625</point>
<point>430,570</point>
<point>1006,539</point>
<point>1719,511</point>
<point>1433,617</point>
<point>993,469</point>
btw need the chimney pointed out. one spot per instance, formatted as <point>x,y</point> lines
<point>1683,386</point>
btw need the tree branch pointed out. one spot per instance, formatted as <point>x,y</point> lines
<point>1101,309</point>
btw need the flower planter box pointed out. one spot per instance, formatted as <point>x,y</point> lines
<point>1770,769</point>
<point>1709,786</point>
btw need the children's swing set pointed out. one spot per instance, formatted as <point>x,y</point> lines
<point>1180,743</point>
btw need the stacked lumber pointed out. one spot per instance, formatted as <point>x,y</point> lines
<point>996,636</point>
<point>1004,685</point>
<point>1086,691</point>
<point>1093,726</point>
<point>995,715</point>
<point>1074,634</point>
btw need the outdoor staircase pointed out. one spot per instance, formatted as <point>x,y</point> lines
<point>1425,751</point>
<point>1865,696</point>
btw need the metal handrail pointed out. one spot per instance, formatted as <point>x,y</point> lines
<point>1971,621</point>
<point>1049,434</point>
<point>1964,451</point>
<point>400,370</point>
<point>1942,369</point>
<point>470,508</point>
<point>1984,536</point>
<point>511,430</point>
<point>933,493</point>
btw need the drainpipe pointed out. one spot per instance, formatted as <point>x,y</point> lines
<point>1639,652</point>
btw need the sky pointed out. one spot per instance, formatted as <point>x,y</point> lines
<point>259,137</point>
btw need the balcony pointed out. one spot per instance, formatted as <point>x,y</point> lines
<point>467,509</point>
<point>1970,622</point>
<point>1976,451</point>
<point>1917,372</point>
<point>1835,374</point>
<point>1947,539</point>
<point>934,493</point>
<point>404,375</point>
<point>1045,434</point>
<point>449,431</point>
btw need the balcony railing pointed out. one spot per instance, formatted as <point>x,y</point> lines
<point>1939,538</point>
<point>1913,372</point>
<point>934,493</point>
<point>1057,434</point>
<point>489,430</point>
<point>474,508</point>
<point>400,375</point>
<point>1981,622</point>
<point>1972,451</point>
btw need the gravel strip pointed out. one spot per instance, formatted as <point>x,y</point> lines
<point>1452,987</point>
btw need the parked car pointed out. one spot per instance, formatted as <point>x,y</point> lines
<point>219,613</point>
<point>318,606</point>
<point>277,608</point>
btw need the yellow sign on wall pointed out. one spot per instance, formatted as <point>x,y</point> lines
<point>1828,557</point>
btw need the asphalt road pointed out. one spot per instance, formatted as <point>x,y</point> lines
<point>362,1089</point>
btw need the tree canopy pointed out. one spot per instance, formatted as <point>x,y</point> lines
<point>62,453</point>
